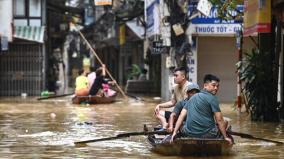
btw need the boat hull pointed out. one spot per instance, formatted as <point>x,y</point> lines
<point>190,146</point>
<point>92,100</point>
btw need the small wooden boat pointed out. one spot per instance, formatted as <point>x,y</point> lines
<point>92,99</point>
<point>190,146</point>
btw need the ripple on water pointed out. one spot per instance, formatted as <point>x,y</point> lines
<point>41,134</point>
<point>55,138</point>
<point>256,144</point>
<point>122,144</point>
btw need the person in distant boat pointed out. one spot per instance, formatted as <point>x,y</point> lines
<point>108,92</point>
<point>91,76</point>
<point>191,90</point>
<point>143,75</point>
<point>203,115</point>
<point>82,84</point>
<point>179,94</point>
<point>97,87</point>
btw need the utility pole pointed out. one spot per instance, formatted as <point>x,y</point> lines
<point>239,43</point>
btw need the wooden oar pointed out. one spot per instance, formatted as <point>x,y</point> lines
<point>135,97</point>
<point>56,96</point>
<point>248,136</point>
<point>122,136</point>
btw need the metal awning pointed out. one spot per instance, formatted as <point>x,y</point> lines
<point>137,29</point>
<point>31,33</point>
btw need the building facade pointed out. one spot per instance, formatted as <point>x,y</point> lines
<point>23,60</point>
<point>205,44</point>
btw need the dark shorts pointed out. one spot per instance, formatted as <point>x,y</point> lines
<point>167,115</point>
<point>213,133</point>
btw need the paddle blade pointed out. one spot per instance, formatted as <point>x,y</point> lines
<point>56,96</point>
<point>124,135</point>
<point>97,140</point>
<point>248,136</point>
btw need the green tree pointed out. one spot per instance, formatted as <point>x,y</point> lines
<point>259,86</point>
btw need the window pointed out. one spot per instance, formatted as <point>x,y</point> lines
<point>19,8</point>
<point>35,8</point>
<point>27,12</point>
<point>20,22</point>
<point>35,22</point>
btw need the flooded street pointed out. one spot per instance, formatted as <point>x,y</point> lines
<point>49,128</point>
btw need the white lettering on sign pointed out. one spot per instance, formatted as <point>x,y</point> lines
<point>214,29</point>
<point>192,62</point>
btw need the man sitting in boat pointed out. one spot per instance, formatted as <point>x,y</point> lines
<point>203,115</point>
<point>179,94</point>
<point>97,88</point>
<point>191,90</point>
<point>81,84</point>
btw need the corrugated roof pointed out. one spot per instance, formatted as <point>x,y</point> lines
<point>32,33</point>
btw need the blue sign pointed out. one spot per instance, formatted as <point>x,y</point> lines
<point>150,16</point>
<point>212,25</point>
<point>213,17</point>
<point>151,19</point>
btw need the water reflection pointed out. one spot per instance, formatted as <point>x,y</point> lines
<point>29,130</point>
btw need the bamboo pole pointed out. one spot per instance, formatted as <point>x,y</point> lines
<point>100,61</point>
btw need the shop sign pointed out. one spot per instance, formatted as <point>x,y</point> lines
<point>212,25</point>
<point>257,17</point>
<point>157,46</point>
<point>103,2</point>
<point>204,6</point>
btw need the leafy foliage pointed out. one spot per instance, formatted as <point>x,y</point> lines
<point>225,8</point>
<point>259,87</point>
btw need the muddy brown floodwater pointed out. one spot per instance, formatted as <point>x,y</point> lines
<point>48,129</point>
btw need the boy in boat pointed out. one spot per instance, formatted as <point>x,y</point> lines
<point>191,90</point>
<point>179,94</point>
<point>203,115</point>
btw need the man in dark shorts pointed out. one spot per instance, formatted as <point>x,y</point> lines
<point>179,94</point>
<point>191,90</point>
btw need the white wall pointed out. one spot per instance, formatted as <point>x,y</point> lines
<point>6,17</point>
<point>218,56</point>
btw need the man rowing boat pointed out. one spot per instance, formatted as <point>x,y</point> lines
<point>203,115</point>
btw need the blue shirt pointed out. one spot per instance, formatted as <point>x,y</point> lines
<point>200,113</point>
<point>179,106</point>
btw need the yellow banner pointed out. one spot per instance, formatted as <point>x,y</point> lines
<point>257,16</point>
<point>122,34</point>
